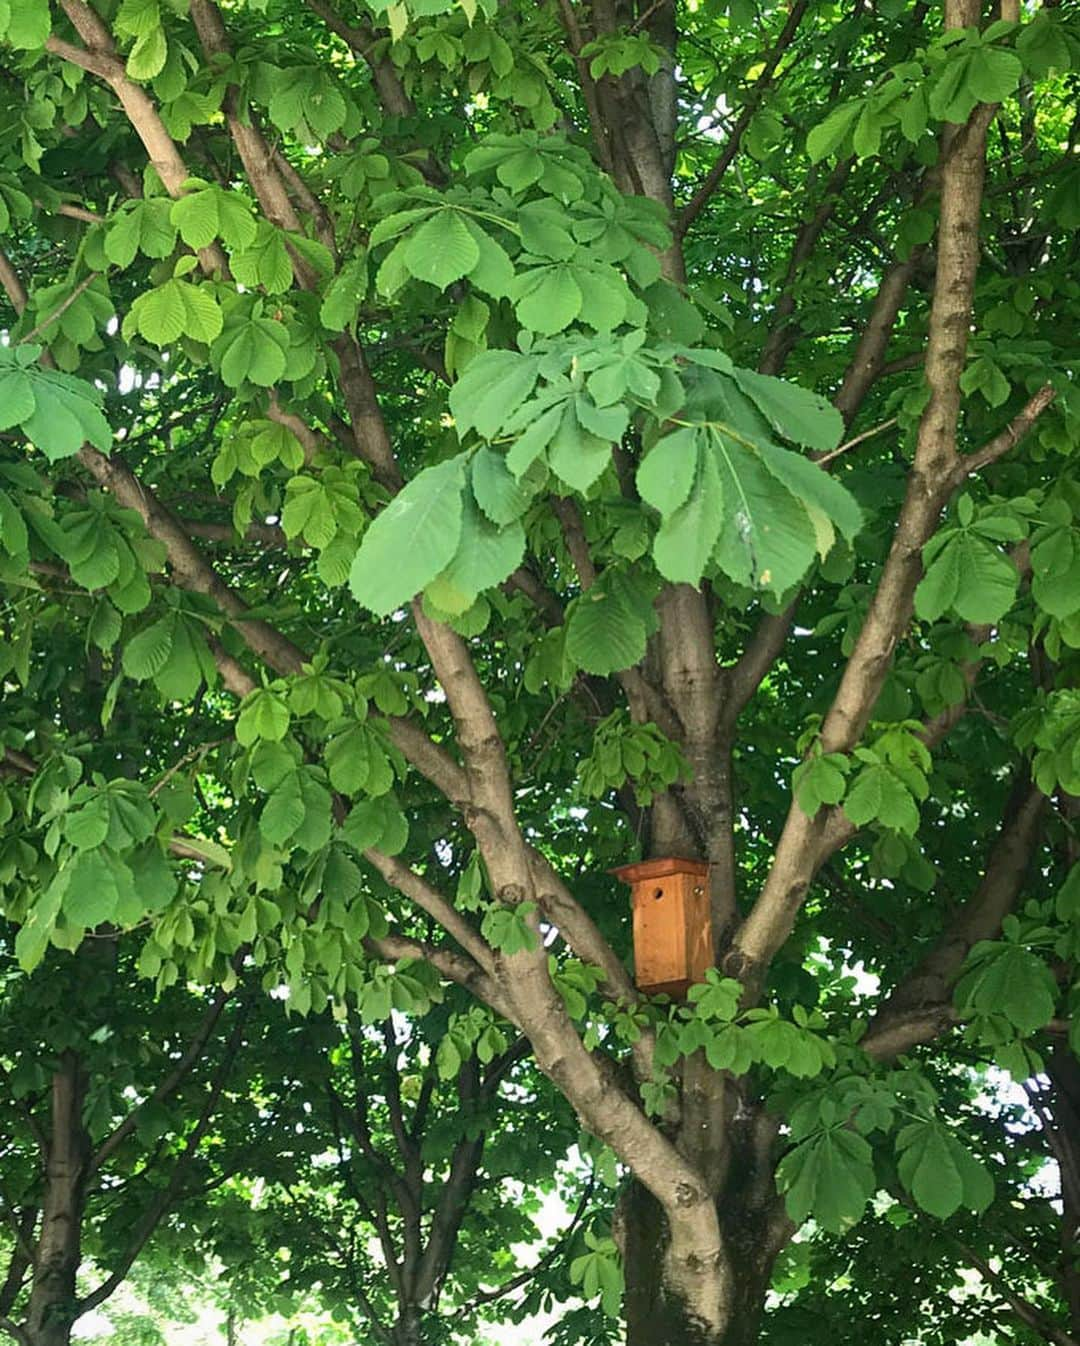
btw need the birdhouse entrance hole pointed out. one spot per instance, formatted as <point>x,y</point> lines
<point>673,945</point>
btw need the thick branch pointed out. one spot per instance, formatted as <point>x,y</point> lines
<point>929,485</point>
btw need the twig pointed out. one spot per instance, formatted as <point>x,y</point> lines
<point>859,439</point>
<point>60,309</point>
<point>700,199</point>
<point>1009,437</point>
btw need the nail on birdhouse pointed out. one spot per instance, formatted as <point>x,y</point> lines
<point>673,945</point>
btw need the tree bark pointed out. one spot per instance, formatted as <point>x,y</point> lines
<point>652,1314</point>
<point>409,1328</point>
<point>1064,1108</point>
<point>52,1307</point>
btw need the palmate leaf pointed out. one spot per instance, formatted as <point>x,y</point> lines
<point>251,350</point>
<point>502,498</point>
<point>968,576</point>
<point>441,250</point>
<point>729,496</point>
<point>829,1176</point>
<point>608,626</point>
<point>939,1172</point>
<point>1009,980</point>
<point>547,298</point>
<point>493,387</point>
<point>485,556</point>
<point>794,413</point>
<point>172,310</point>
<point>412,540</point>
<point>688,535</point>
<point>57,412</point>
<point>767,539</point>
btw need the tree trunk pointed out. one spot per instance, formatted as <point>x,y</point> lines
<point>652,1314</point>
<point>409,1330</point>
<point>52,1308</point>
<point>1064,1071</point>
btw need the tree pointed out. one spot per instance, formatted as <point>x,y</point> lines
<point>481,311</point>
<point>104,1124</point>
<point>408,1176</point>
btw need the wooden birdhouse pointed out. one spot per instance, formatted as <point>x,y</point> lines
<point>673,945</point>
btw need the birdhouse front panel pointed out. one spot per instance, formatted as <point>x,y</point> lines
<point>673,946</point>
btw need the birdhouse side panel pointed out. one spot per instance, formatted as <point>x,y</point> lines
<point>699,942</point>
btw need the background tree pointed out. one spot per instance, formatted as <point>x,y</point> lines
<point>110,1098</point>
<point>620,591</point>
<point>409,1176</point>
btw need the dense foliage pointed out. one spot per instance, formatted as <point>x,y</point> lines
<point>449,450</point>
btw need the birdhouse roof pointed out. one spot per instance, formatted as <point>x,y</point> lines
<point>659,869</point>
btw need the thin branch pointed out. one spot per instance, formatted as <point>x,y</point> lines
<point>60,309</point>
<point>1009,437</point>
<point>15,1331</point>
<point>850,444</point>
<point>161,1204</point>
<point>558,1245</point>
<point>700,199</point>
<point>588,86</point>
<point>429,899</point>
<point>168,1085</point>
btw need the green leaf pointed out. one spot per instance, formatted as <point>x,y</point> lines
<point>936,591</point>
<point>1009,980</point>
<point>939,1172</point>
<point>878,795</point>
<point>688,535</point>
<point>970,577</point>
<point>441,250</point>
<point>97,884</point>
<point>603,632</point>
<point>577,457</point>
<point>412,540</point>
<point>344,296</point>
<point>669,470</point>
<point>1055,573</point>
<point>264,715</point>
<point>147,57</point>
<point>828,135</point>
<point>830,1176</point>
<point>485,556</point>
<point>495,489</point>
<point>251,351</point>
<point>148,652</point>
<point>1042,45</point>
<point>767,539</point>
<point>814,487</point>
<point>493,387</point>
<point>804,417</point>
<point>283,812</point>
<point>548,299</point>
<point>29,24</point>
<point>493,272</point>
<point>820,780</point>
<point>993,74</point>
<point>267,263</point>
<point>175,309</point>
<point>987,581</point>
<point>55,411</point>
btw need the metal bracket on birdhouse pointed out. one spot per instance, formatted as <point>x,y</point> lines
<point>673,947</point>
